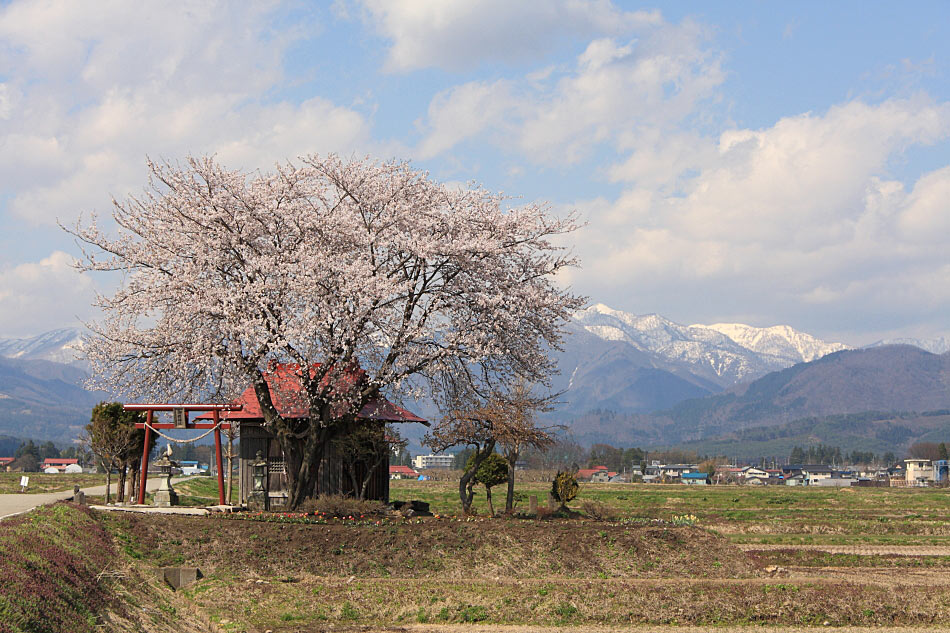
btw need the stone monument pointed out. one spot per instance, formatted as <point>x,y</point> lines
<point>166,496</point>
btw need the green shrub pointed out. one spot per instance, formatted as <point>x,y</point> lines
<point>564,487</point>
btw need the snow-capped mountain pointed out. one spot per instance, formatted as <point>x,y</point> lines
<point>60,346</point>
<point>780,341</point>
<point>725,353</point>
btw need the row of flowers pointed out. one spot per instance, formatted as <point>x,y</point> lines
<point>322,518</point>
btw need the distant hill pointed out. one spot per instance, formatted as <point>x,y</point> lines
<point>43,399</point>
<point>8,445</point>
<point>885,379</point>
<point>625,378</point>
<point>871,431</point>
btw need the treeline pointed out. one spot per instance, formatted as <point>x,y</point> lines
<point>566,454</point>
<point>825,454</point>
<point>29,455</point>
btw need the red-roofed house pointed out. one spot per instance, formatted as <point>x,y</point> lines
<point>402,472</point>
<point>597,473</point>
<point>5,462</point>
<point>285,388</point>
<point>60,464</point>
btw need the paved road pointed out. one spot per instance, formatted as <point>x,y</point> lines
<point>17,503</point>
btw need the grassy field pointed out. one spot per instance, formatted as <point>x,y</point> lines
<point>669,556</point>
<point>43,482</point>
<point>746,514</point>
<point>203,491</point>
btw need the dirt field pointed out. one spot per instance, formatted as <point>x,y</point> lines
<point>670,559</point>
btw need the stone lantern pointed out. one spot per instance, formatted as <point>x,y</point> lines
<point>257,500</point>
<point>166,496</point>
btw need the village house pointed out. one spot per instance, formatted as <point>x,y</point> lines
<point>5,463</point>
<point>797,479</point>
<point>918,472</point>
<point>816,472</point>
<point>402,472</point>
<point>597,473</point>
<point>675,471</point>
<point>729,474</point>
<point>60,465</point>
<point>695,479</point>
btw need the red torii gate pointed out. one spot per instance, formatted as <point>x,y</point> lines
<point>181,422</point>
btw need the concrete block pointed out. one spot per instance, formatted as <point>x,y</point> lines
<point>178,577</point>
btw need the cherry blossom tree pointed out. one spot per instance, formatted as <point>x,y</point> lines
<point>343,268</point>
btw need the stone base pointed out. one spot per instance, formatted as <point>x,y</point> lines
<point>165,498</point>
<point>257,502</point>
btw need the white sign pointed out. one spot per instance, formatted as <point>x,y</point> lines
<point>24,481</point>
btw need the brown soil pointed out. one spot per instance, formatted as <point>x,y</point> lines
<point>711,603</point>
<point>434,549</point>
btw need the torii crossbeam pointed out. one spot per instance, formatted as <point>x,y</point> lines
<point>182,422</point>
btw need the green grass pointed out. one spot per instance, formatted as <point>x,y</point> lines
<point>772,514</point>
<point>203,491</point>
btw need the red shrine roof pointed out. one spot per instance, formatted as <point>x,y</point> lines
<point>284,384</point>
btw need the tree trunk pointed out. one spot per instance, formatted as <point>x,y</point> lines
<point>510,497</point>
<point>354,480</point>
<point>491,510</point>
<point>120,489</point>
<point>108,483</point>
<point>132,479</point>
<point>466,483</point>
<point>369,476</point>
<point>302,460</point>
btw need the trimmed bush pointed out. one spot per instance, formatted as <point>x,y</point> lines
<point>564,487</point>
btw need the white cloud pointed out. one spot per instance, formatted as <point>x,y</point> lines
<point>795,218</point>
<point>458,34</point>
<point>617,93</point>
<point>79,112</point>
<point>43,295</point>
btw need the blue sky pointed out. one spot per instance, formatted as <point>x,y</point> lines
<point>740,161</point>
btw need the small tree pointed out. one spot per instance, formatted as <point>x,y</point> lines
<point>492,472</point>
<point>564,488</point>
<point>25,463</point>
<point>521,431</point>
<point>483,422</point>
<point>112,437</point>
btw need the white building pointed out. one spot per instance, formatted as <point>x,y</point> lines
<point>918,472</point>
<point>422,462</point>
